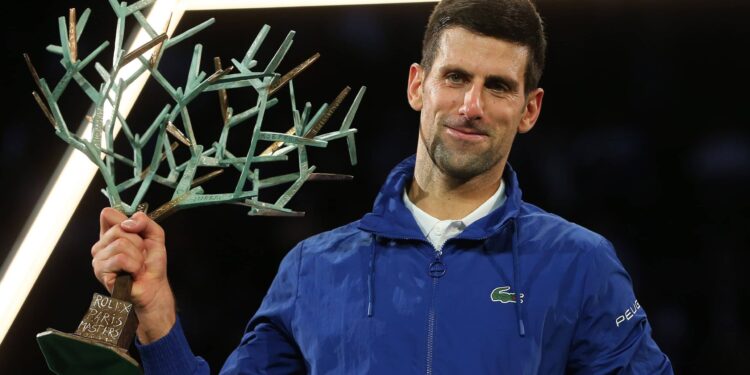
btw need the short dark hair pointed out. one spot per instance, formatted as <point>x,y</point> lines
<point>515,21</point>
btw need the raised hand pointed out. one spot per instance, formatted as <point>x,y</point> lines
<point>136,245</point>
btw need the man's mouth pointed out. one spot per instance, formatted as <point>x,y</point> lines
<point>465,133</point>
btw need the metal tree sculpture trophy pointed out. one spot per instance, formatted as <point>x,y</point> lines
<point>99,344</point>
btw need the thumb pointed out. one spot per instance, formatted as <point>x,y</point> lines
<point>141,224</point>
<point>132,224</point>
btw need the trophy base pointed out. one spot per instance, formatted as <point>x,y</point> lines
<point>72,354</point>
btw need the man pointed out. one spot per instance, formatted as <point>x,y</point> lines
<point>452,273</point>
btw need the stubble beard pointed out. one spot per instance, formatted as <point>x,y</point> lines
<point>462,165</point>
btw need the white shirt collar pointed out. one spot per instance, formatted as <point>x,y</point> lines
<point>438,231</point>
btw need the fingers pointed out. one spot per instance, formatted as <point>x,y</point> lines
<point>114,224</point>
<point>143,225</point>
<point>114,233</point>
<point>108,218</point>
<point>134,245</point>
<point>120,255</point>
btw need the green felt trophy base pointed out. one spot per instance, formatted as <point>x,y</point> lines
<point>72,354</point>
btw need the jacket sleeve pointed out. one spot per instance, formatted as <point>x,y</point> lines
<point>171,354</point>
<point>612,335</point>
<point>268,347</point>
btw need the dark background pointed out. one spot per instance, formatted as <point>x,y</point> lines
<point>643,138</point>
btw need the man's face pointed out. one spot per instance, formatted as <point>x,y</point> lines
<point>472,103</point>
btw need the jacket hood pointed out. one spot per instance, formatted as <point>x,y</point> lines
<point>390,218</point>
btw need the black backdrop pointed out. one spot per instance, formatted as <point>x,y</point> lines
<point>643,138</point>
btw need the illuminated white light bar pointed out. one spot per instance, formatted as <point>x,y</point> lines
<point>244,4</point>
<point>66,188</point>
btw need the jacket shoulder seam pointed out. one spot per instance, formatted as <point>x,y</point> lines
<point>340,238</point>
<point>296,286</point>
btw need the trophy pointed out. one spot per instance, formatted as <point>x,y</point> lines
<point>168,153</point>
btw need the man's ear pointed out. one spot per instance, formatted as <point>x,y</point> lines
<point>531,111</point>
<point>414,87</point>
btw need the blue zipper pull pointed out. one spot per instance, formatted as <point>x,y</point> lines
<point>437,268</point>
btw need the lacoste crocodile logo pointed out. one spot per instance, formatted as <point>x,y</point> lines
<point>501,294</point>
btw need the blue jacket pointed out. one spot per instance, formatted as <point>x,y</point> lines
<point>373,297</point>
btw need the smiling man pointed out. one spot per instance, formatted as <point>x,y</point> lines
<point>473,102</point>
<point>452,272</point>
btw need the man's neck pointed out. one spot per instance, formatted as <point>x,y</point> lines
<point>447,198</point>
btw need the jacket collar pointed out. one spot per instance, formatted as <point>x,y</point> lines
<point>390,218</point>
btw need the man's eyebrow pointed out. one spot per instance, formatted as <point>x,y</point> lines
<point>454,69</point>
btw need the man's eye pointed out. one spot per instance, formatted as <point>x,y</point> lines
<point>499,88</point>
<point>454,78</point>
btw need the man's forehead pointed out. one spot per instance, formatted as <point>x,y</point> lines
<point>447,38</point>
<point>457,44</point>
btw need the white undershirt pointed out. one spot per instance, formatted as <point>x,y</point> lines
<point>438,231</point>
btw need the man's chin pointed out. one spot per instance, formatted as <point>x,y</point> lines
<point>463,168</point>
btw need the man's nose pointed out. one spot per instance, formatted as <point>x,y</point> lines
<point>472,107</point>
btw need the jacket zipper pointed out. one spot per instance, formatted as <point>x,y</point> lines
<point>431,328</point>
<point>436,270</point>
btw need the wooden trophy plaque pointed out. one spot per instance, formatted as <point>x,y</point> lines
<point>100,343</point>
